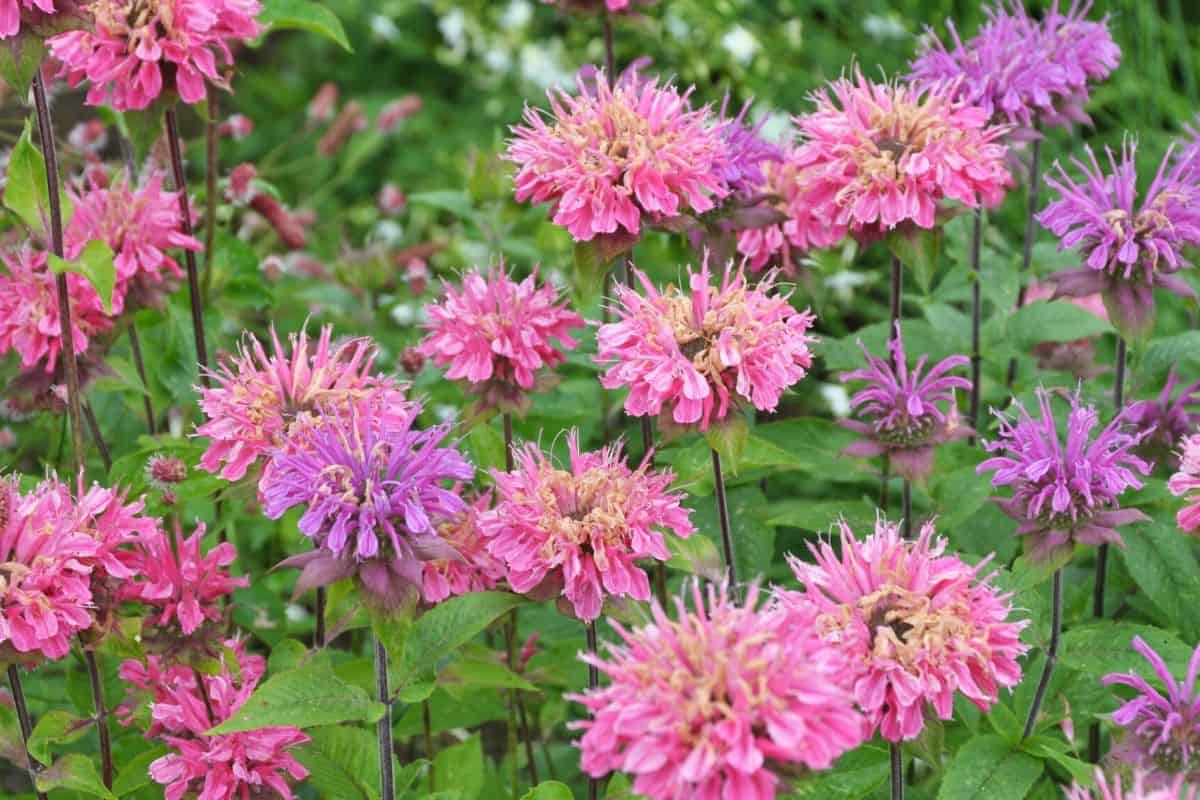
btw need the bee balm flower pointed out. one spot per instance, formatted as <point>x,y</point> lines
<point>1113,789</point>
<point>712,704</point>
<point>1186,484</point>
<point>473,569</point>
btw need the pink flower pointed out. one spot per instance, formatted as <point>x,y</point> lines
<point>699,354</point>
<point>915,625</point>
<point>877,156</point>
<point>10,14</point>
<point>1112,789</point>
<point>139,225</point>
<point>139,47</point>
<point>1186,484</point>
<point>261,399</point>
<point>581,529</point>
<point>498,333</point>
<point>104,515</point>
<point>800,230</point>
<point>709,707</point>
<point>29,321</point>
<point>237,127</point>
<point>179,582</point>
<point>474,570</point>
<point>609,157</point>
<point>234,766</point>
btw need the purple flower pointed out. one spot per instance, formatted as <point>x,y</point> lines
<point>1127,248</point>
<point>1065,492</point>
<point>904,418</point>
<point>746,153</point>
<point>373,493</point>
<point>1161,732</point>
<point>1169,418</point>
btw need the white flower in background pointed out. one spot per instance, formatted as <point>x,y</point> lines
<point>384,28</point>
<point>404,314</point>
<point>844,283</point>
<point>740,44</point>
<point>777,126</point>
<point>837,398</point>
<point>453,27</point>
<point>388,232</point>
<point>884,28</point>
<point>544,66</point>
<point>498,59</point>
<point>445,412</point>
<point>516,15</point>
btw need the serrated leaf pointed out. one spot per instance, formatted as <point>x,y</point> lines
<point>1101,648</point>
<point>74,772</point>
<point>305,15</point>
<point>918,250</point>
<point>25,190</point>
<point>727,439</point>
<point>857,775</point>
<point>55,727</point>
<point>342,762</point>
<point>1162,562</point>
<point>20,56</point>
<point>469,674</point>
<point>987,768</point>
<point>696,555</point>
<point>95,263</point>
<point>1053,321</point>
<point>450,625</point>
<point>135,773</point>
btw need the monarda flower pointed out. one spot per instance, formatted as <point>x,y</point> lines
<point>372,488</point>
<point>261,398</point>
<point>498,333</point>
<point>907,414</point>
<point>29,321</point>
<point>1114,789</point>
<point>699,354</point>
<point>579,530</point>
<point>798,230</point>
<point>140,225</point>
<point>10,13</point>
<point>611,159</point>
<point>747,153</point>
<point>137,48</point>
<point>473,569</point>
<point>232,766</point>
<point>1161,732</point>
<point>1127,247</point>
<point>881,155</point>
<point>717,703</point>
<point>1168,419</point>
<point>1065,492</point>
<point>1186,484</point>
<point>915,625</point>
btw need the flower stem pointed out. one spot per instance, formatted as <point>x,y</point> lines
<point>185,224</point>
<point>593,684</point>
<point>518,701</point>
<point>97,437</point>
<point>14,682</point>
<point>723,517</point>
<point>660,569</point>
<point>896,299</point>
<point>70,365</point>
<point>897,761</point>
<point>1056,604</point>
<point>509,458</point>
<point>383,728</point>
<point>610,53</point>
<point>135,348</point>
<point>976,320</point>
<point>319,633</point>
<point>211,166</point>
<point>907,525</point>
<point>427,722</point>
<point>1035,179</point>
<point>106,760</point>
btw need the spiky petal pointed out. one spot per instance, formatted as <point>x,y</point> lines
<point>1186,484</point>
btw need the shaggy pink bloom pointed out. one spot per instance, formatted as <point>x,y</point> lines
<point>262,398</point>
<point>699,354</point>
<point>104,515</point>
<point>497,333</point>
<point>1186,484</point>
<point>1113,789</point>
<point>799,230</point>
<point>29,322</point>
<point>475,569</point>
<point>580,530</point>
<point>45,575</point>
<point>915,624</point>
<point>712,705</point>
<point>235,766</point>
<point>136,48</point>
<point>880,155</point>
<point>609,157</point>
<point>139,225</point>
<point>10,13</point>
<point>181,583</point>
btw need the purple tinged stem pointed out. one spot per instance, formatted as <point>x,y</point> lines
<point>1051,654</point>
<point>976,321</point>
<point>593,684</point>
<point>18,693</point>
<point>896,757</point>
<point>135,348</point>
<point>383,728</point>
<point>94,431</point>
<point>101,717</point>
<point>723,517</point>
<point>896,303</point>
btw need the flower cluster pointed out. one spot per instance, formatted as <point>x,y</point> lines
<point>1168,419</point>
<point>473,568</point>
<point>711,704</point>
<point>1186,484</point>
<point>1114,789</point>
<point>908,413</point>
<point>1065,492</point>
<point>698,354</point>
<point>798,229</point>
<point>137,48</point>
<point>914,624</point>
<point>580,530</point>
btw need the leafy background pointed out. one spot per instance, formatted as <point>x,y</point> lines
<point>474,64</point>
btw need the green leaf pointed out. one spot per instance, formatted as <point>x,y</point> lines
<point>449,626</point>
<point>305,15</point>
<point>461,767</point>
<point>76,773</point>
<point>987,768</point>
<point>12,745</point>
<point>477,673</point>
<point>696,555</point>
<point>857,774</point>
<point>20,56</point>
<point>1162,563</point>
<point>753,538</point>
<point>728,438</point>
<point>342,762</point>
<point>456,202</point>
<point>135,773</point>
<point>303,698</point>
<point>25,191</point>
<point>1055,321</point>
<point>1105,647</point>
<point>96,264</point>
<point>917,249</point>
<point>549,790</point>
<point>55,727</point>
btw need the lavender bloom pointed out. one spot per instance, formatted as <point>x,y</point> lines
<point>1169,418</point>
<point>1127,248</point>
<point>905,421</point>
<point>373,494</point>
<point>746,153</point>
<point>1064,493</point>
<point>1162,733</point>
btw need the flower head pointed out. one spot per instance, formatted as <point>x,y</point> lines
<point>1113,789</point>
<point>907,413</point>
<point>916,625</point>
<point>473,569</point>
<point>797,229</point>
<point>712,704</point>
<point>372,488</point>
<point>10,13</point>
<point>1127,247</point>
<point>232,766</point>
<point>497,333</point>
<point>1170,418</point>
<point>747,153</point>
<point>699,353</point>
<point>29,321</point>
<point>1186,484</point>
<point>136,48</point>
<point>609,157</point>
<point>1065,492</point>
<point>582,528</point>
<point>880,155</point>
<point>261,399</point>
